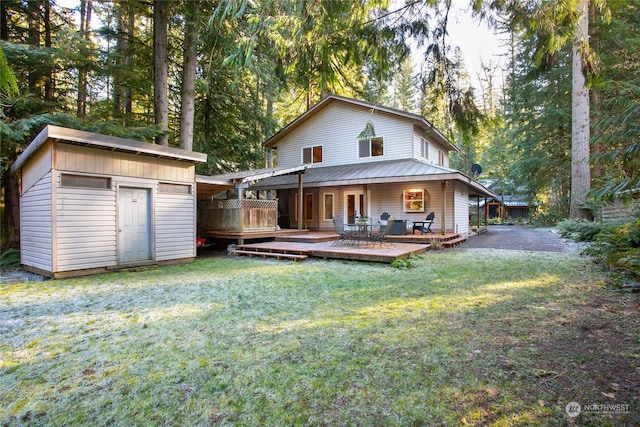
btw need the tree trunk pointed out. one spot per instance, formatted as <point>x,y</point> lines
<point>11,216</point>
<point>48,82</point>
<point>85,20</point>
<point>160,68</point>
<point>189,76</point>
<point>4,17</point>
<point>35,74</point>
<point>127,92</point>
<point>580,172</point>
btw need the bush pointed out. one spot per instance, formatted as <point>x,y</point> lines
<point>580,230</point>
<point>10,259</point>
<point>619,246</point>
<point>550,214</point>
<point>407,263</point>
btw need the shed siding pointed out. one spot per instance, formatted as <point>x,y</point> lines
<point>86,228</point>
<point>83,159</point>
<point>461,221</point>
<point>175,226</point>
<point>36,233</point>
<point>39,165</point>
<point>336,128</point>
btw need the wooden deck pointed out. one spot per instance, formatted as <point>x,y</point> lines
<point>241,236</point>
<point>375,253</point>
<point>301,244</point>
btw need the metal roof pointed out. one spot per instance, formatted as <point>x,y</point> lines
<point>324,102</point>
<point>512,200</point>
<point>212,184</point>
<point>373,173</point>
<point>106,142</point>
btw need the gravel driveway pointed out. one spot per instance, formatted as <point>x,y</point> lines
<point>517,237</point>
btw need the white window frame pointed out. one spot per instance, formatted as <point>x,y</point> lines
<point>411,197</point>
<point>424,148</point>
<point>312,147</point>
<point>370,147</point>
<point>328,216</point>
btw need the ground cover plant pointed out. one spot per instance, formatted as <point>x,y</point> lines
<point>465,337</point>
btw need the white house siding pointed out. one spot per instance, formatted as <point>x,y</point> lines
<point>432,148</point>
<point>336,128</point>
<point>85,228</point>
<point>83,159</point>
<point>175,226</point>
<point>461,205</point>
<point>36,234</point>
<point>388,198</point>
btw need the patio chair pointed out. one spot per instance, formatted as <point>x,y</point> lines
<point>384,218</point>
<point>385,229</point>
<point>424,226</point>
<point>345,236</point>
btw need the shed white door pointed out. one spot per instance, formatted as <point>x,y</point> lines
<point>135,224</point>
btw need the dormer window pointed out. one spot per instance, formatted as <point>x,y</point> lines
<point>371,147</point>
<point>312,154</point>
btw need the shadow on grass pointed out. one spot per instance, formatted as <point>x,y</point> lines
<point>462,339</point>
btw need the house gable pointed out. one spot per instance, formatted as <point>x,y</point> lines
<point>333,126</point>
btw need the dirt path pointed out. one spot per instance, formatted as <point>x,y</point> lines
<point>517,238</point>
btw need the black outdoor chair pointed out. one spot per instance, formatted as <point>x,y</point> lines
<point>385,229</point>
<point>346,236</point>
<point>424,226</point>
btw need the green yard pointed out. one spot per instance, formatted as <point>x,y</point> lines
<point>470,337</point>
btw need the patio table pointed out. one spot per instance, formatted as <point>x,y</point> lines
<point>363,232</point>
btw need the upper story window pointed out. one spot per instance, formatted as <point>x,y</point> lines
<point>424,148</point>
<point>312,154</point>
<point>371,147</point>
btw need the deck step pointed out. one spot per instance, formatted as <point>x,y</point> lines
<point>453,242</point>
<point>278,255</point>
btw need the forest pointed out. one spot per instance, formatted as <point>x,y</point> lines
<point>560,122</point>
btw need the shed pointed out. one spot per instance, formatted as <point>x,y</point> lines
<point>91,202</point>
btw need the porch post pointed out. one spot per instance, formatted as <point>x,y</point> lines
<point>366,201</point>
<point>486,212</point>
<point>300,202</point>
<point>443,221</point>
<point>478,213</point>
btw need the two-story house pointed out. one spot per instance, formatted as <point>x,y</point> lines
<point>364,160</point>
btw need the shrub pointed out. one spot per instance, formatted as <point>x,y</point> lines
<point>408,262</point>
<point>619,246</point>
<point>580,230</point>
<point>10,259</point>
<point>550,214</point>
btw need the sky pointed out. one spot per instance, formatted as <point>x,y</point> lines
<point>476,41</point>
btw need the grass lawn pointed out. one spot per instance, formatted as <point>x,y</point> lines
<point>467,337</point>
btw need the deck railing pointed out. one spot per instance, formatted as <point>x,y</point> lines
<point>238,215</point>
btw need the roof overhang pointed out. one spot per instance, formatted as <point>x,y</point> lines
<point>214,184</point>
<point>112,143</point>
<point>374,173</point>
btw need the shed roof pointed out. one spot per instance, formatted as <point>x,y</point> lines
<point>106,142</point>
<point>373,173</point>
<point>324,102</point>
